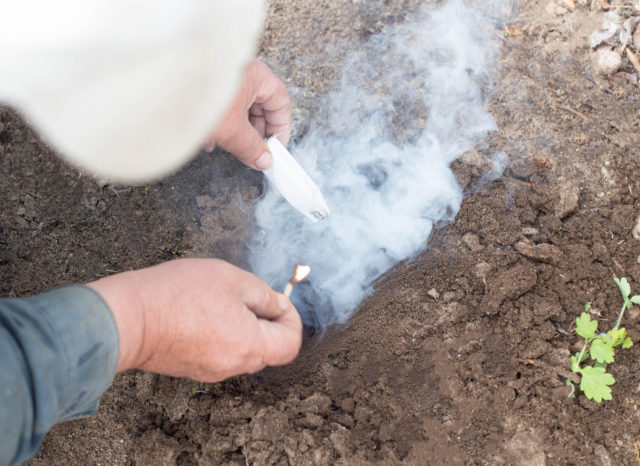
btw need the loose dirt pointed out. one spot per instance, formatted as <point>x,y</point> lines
<point>458,356</point>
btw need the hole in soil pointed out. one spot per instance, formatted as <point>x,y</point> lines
<point>519,375</point>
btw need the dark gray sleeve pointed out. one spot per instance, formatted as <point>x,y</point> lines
<point>58,355</point>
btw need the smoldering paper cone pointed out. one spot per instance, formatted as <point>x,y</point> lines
<point>294,184</point>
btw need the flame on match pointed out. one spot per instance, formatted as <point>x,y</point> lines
<point>301,273</point>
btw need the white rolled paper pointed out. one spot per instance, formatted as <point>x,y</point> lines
<point>294,184</point>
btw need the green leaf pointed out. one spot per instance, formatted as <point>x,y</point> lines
<point>595,383</point>
<point>623,284</point>
<point>627,343</point>
<point>635,299</point>
<point>601,350</point>
<point>585,327</point>
<point>587,306</point>
<point>617,335</point>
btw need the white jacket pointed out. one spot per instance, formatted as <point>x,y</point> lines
<point>125,89</point>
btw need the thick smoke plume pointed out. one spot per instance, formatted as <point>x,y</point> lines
<point>412,100</point>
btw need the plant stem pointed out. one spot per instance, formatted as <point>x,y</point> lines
<point>619,319</point>
<point>584,348</point>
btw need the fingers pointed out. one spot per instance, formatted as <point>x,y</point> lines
<point>281,338</point>
<point>272,107</point>
<point>261,109</point>
<point>279,324</point>
<point>260,299</point>
<point>248,146</point>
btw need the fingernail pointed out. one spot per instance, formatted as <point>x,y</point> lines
<point>264,161</point>
<point>283,302</point>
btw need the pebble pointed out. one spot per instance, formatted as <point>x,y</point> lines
<point>312,421</point>
<point>345,419</point>
<point>544,252</point>
<point>21,211</point>
<point>568,202</point>
<point>636,38</point>
<point>472,242</point>
<point>482,269</point>
<point>339,438</point>
<point>636,232</point>
<point>602,455</point>
<point>476,159</point>
<point>529,231</point>
<point>555,10</point>
<point>318,403</point>
<point>433,293</point>
<point>608,61</point>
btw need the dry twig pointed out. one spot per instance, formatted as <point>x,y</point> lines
<point>575,112</point>
<point>633,58</point>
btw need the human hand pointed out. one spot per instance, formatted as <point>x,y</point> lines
<point>200,318</point>
<point>262,108</point>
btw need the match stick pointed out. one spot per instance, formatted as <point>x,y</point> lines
<point>288,289</point>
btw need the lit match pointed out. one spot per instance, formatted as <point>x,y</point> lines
<point>300,274</point>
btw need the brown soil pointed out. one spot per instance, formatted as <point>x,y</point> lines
<point>472,373</point>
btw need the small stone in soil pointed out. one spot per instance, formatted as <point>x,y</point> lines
<point>608,61</point>
<point>568,202</point>
<point>482,269</point>
<point>318,403</point>
<point>472,242</point>
<point>541,252</point>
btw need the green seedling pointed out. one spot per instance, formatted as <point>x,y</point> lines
<point>595,381</point>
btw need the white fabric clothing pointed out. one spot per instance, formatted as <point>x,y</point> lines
<point>126,89</point>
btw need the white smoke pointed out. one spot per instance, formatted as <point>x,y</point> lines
<point>412,100</point>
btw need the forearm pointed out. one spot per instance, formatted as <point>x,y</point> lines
<point>59,353</point>
<point>140,332</point>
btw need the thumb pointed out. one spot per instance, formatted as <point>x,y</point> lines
<point>248,146</point>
